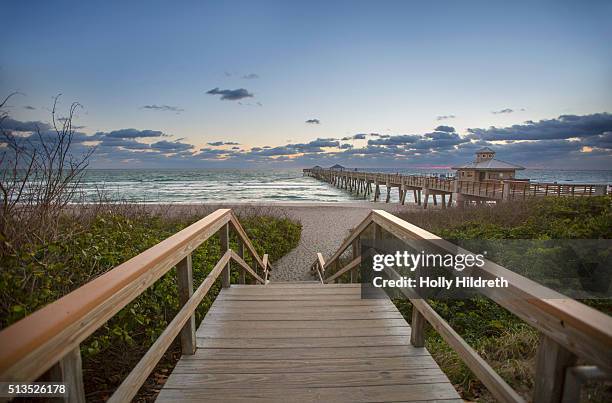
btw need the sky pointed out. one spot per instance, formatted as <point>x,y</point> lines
<point>278,83</point>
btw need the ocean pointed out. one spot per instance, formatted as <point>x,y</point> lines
<point>258,185</point>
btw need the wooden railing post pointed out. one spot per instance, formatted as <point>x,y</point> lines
<point>356,253</point>
<point>551,363</point>
<point>69,370</point>
<point>417,332</point>
<point>242,278</point>
<point>224,238</point>
<point>506,195</point>
<point>377,234</point>
<point>184,276</point>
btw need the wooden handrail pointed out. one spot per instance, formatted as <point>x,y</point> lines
<point>483,371</point>
<point>130,385</point>
<point>245,239</point>
<point>350,266</point>
<point>31,346</point>
<point>321,261</point>
<point>266,264</point>
<point>246,267</point>
<point>575,327</point>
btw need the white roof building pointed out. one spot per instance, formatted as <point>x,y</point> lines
<point>487,167</point>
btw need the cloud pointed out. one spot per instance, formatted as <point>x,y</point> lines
<point>603,141</point>
<point>312,147</point>
<point>563,127</point>
<point>505,110</point>
<point>324,143</point>
<point>29,107</point>
<point>171,146</point>
<point>358,136</point>
<point>443,138</point>
<point>444,117</point>
<point>400,139</point>
<point>133,133</point>
<point>250,76</point>
<point>19,126</point>
<point>448,129</point>
<point>223,143</point>
<point>165,108</point>
<point>125,143</point>
<point>231,95</point>
<point>583,141</point>
<point>313,121</point>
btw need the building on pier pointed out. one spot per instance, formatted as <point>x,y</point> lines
<point>486,167</point>
<point>337,167</point>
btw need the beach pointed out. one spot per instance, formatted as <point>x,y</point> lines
<point>324,227</point>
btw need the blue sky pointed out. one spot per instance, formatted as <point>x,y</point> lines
<point>391,68</point>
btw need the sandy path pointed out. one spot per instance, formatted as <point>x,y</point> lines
<point>324,227</point>
<point>323,230</point>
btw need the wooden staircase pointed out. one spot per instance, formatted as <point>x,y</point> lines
<point>305,342</point>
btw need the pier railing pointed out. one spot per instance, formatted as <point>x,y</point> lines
<point>568,328</point>
<point>49,339</point>
<point>525,189</point>
<point>507,190</point>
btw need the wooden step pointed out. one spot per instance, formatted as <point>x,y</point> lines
<point>305,342</point>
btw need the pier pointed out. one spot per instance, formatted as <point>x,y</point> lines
<point>445,191</point>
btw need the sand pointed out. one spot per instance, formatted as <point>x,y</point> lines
<point>324,227</point>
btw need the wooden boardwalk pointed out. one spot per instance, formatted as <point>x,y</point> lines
<point>305,342</point>
<point>302,341</point>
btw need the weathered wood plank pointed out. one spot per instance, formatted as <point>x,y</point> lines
<point>226,332</point>
<point>304,324</point>
<point>304,366</point>
<point>305,353</point>
<point>306,297</point>
<point>303,342</point>
<point>297,310</point>
<point>264,304</point>
<point>254,290</point>
<point>313,380</point>
<point>432,392</point>
<point>323,315</point>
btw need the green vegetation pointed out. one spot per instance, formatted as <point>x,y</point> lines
<point>502,339</point>
<point>87,245</point>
